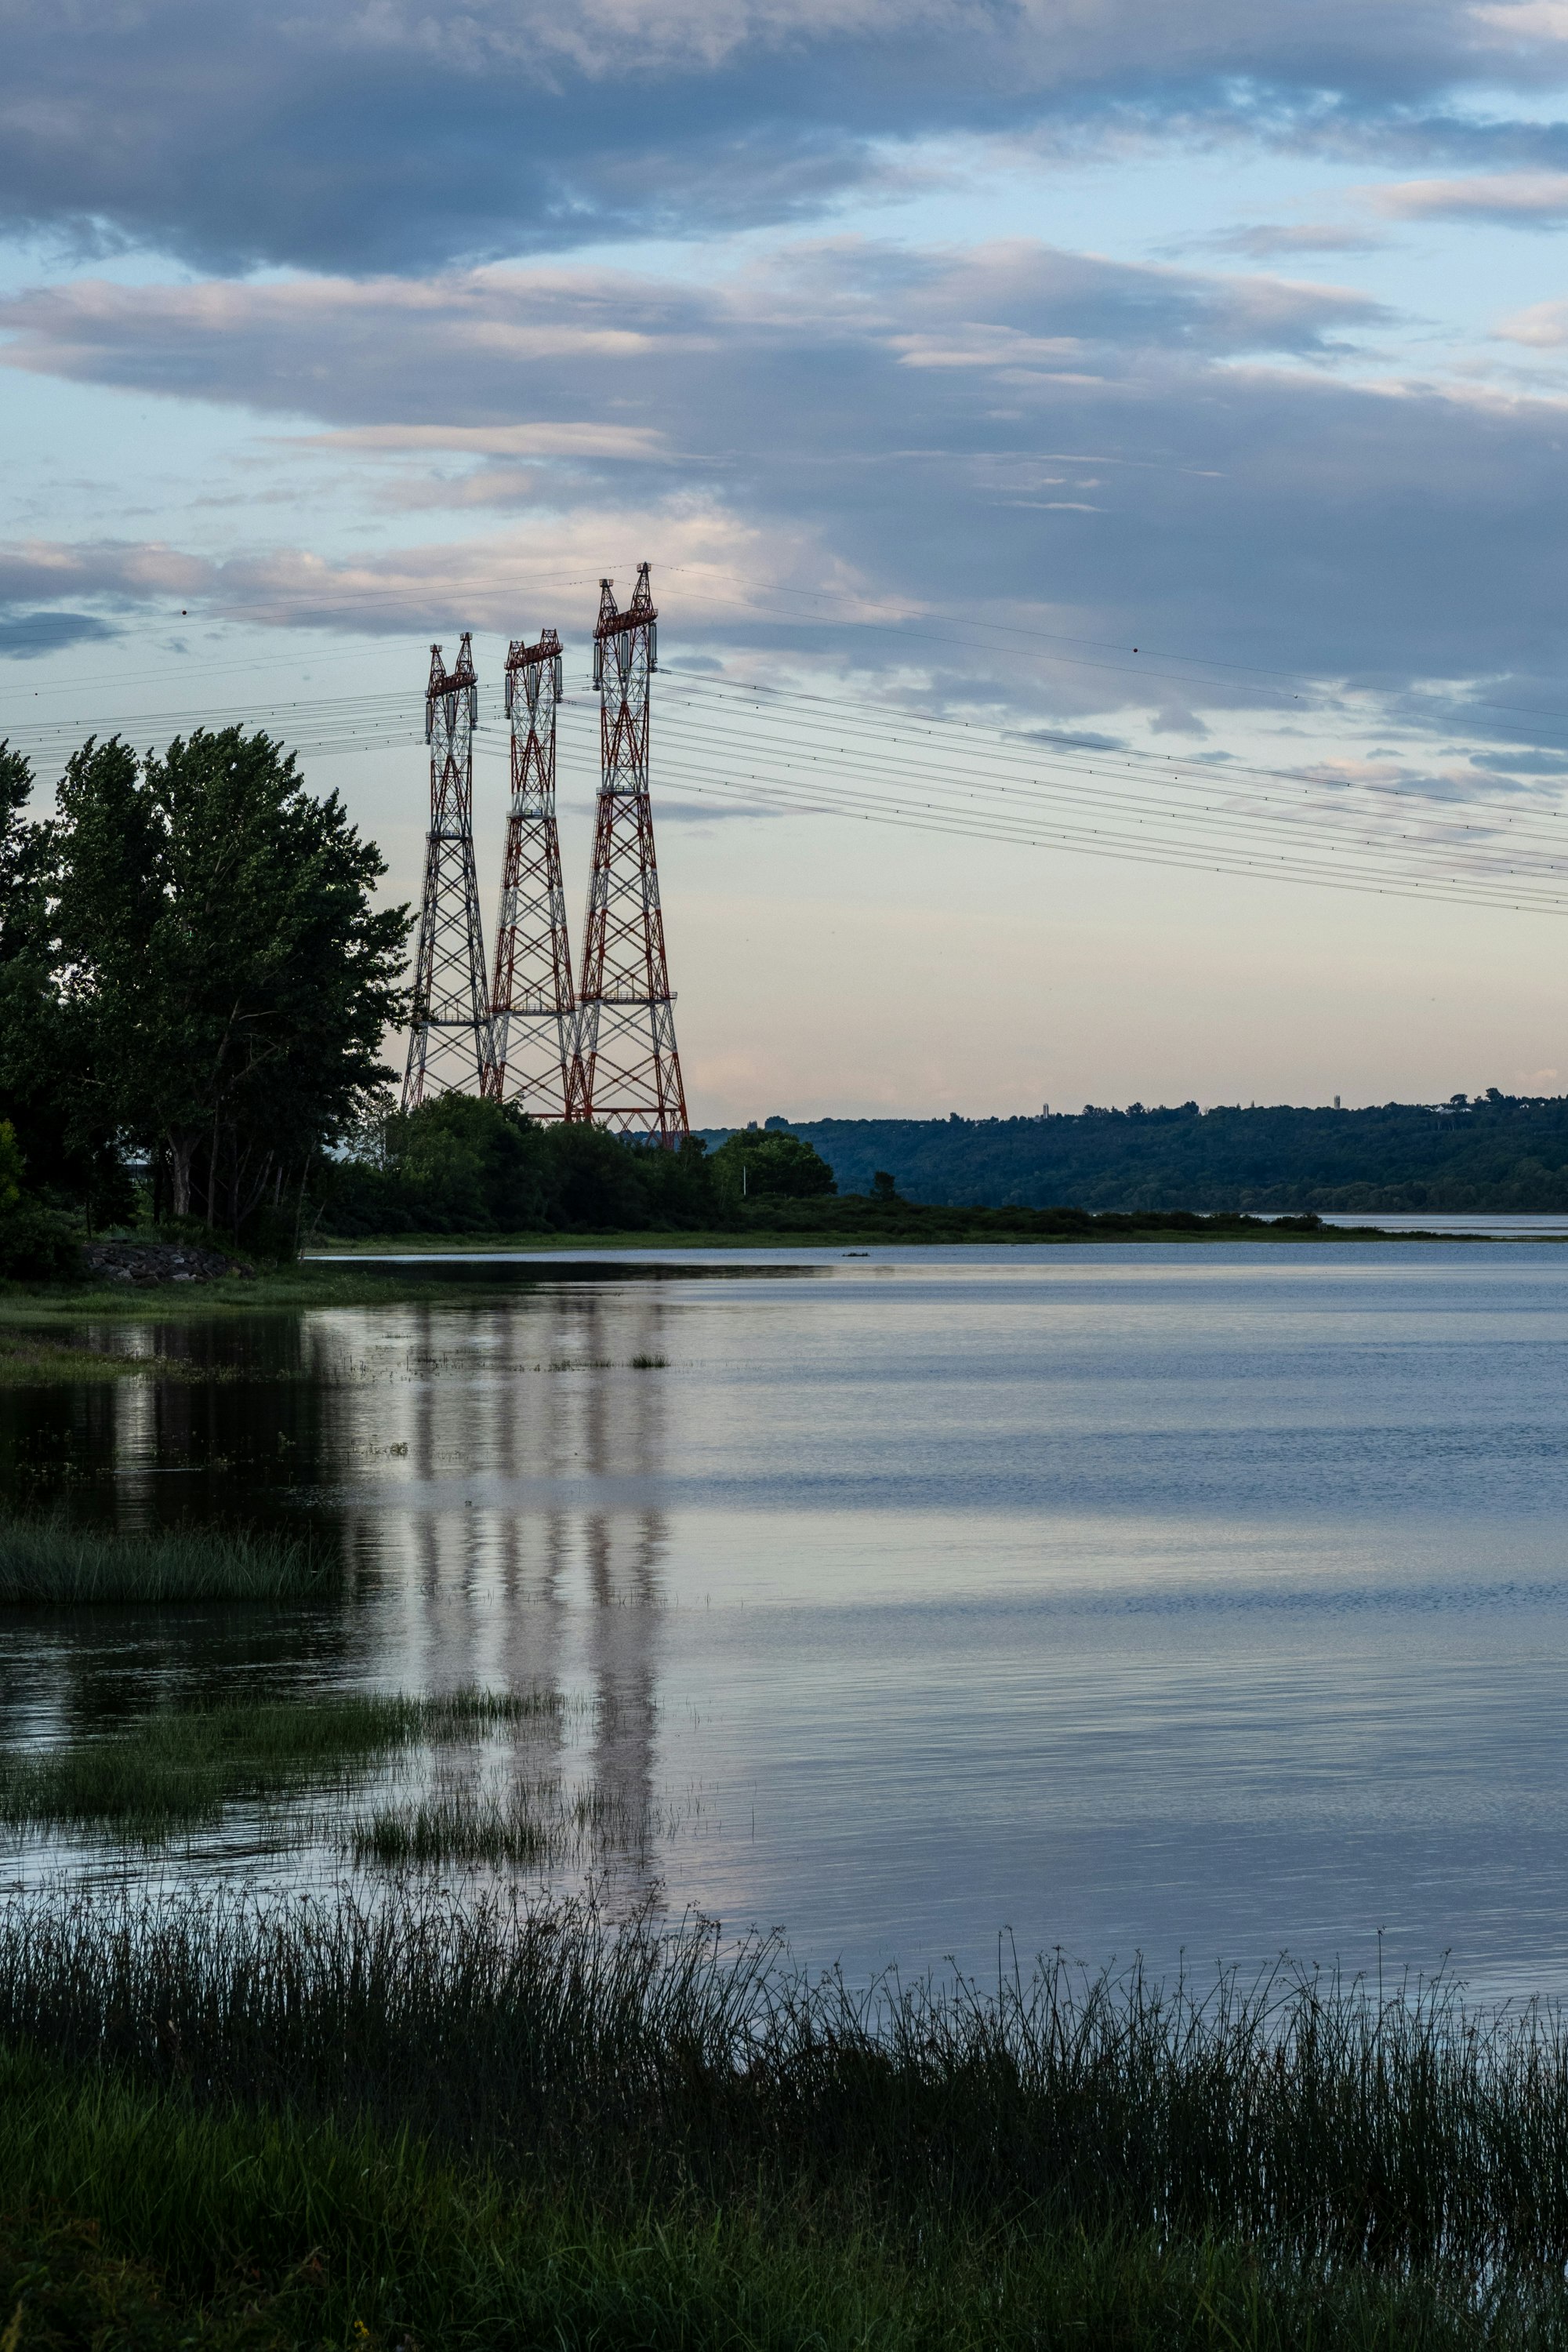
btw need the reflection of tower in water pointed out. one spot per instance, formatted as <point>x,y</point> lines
<point>520,1543</point>
<point>624,1536</point>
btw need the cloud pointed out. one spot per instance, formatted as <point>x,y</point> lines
<point>871,456</point>
<point>563,440</point>
<point>440,363</point>
<point>1544,326</point>
<point>1517,199</point>
<point>368,134</point>
<point>1267,240</point>
<point>25,636</point>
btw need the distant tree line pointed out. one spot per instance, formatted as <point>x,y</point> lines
<point>1493,1151</point>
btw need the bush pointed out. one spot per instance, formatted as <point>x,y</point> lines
<point>36,1243</point>
<point>461,1165</point>
<point>757,1162</point>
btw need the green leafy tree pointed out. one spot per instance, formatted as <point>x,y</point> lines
<point>462,1165</point>
<point>219,953</point>
<point>70,1149</point>
<point>760,1161</point>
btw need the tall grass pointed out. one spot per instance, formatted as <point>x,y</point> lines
<point>500,2125</point>
<point>1302,2113</point>
<point>178,1767</point>
<point>48,1563</point>
<point>534,1826</point>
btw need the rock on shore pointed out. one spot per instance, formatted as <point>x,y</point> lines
<point>159,1262</point>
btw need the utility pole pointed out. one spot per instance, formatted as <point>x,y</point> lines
<point>532,1013</point>
<point>449,1043</point>
<point>625,1073</point>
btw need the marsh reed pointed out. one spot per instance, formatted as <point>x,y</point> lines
<point>50,1563</point>
<point>506,2125</point>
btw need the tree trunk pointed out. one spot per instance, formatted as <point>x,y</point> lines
<point>181,1148</point>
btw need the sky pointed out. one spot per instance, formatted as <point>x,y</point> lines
<point>1101,465</point>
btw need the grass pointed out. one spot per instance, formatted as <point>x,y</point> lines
<point>178,1767</point>
<point>48,1563</point>
<point>404,2122</point>
<point>853,1221</point>
<point>30,1312</point>
<point>534,1826</point>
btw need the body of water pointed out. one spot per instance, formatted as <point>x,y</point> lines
<point>1165,1599</point>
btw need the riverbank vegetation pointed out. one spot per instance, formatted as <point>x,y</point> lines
<point>52,1563</point>
<point>1492,1153</point>
<point>177,1767</point>
<point>408,2122</point>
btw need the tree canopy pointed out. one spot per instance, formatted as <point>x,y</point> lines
<point>755,1162</point>
<point>458,1165</point>
<point>192,968</point>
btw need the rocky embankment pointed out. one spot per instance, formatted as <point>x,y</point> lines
<point>148,1262</point>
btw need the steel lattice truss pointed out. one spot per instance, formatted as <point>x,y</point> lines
<point>533,1012</point>
<point>626,1071</point>
<point>449,1045</point>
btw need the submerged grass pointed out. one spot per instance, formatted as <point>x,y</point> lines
<point>177,1767</point>
<point>408,2122</point>
<point>534,1826</point>
<point>48,1563</point>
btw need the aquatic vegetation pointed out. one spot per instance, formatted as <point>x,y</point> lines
<point>177,1767</point>
<point>48,1563</point>
<point>497,2124</point>
<point>534,1825</point>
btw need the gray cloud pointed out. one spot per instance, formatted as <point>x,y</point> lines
<point>1272,240</point>
<point>24,636</point>
<point>959,460</point>
<point>368,134</point>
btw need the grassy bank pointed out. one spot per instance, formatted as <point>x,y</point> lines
<point>408,2123</point>
<point>48,1563</point>
<point>177,1767</point>
<point>37,1317</point>
<point>861,1225</point>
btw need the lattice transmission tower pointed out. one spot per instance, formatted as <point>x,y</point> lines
<point>533,1014</point>
<point>625,1073</point>
<point>449,1042</point>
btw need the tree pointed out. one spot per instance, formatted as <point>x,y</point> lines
<point>752,1163</point>
<point>216,945</point>
<point>70,1151</point>
<point>462,1165</point>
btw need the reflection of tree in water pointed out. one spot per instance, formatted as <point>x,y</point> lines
<point>493,1469</point>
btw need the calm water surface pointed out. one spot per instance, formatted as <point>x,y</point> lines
<point>1152,1599</point>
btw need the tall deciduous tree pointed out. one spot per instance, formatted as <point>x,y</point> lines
<point>215,940</point>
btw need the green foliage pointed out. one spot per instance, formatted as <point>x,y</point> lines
<point>36,1244</point>
<point>178,1767</point>
<point>190,963</point>
<point>46,1562</point>
<point>460,1165</point>
<point>455,2122</point>
<point>775,1164</point>
<point>10,1168</point>
<point>1494,1152</point>
<point>230,2228</point>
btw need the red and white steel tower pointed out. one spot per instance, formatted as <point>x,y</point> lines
<point>625,1073</point>
<point>449,1043</point>
<point>533,1014</point>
